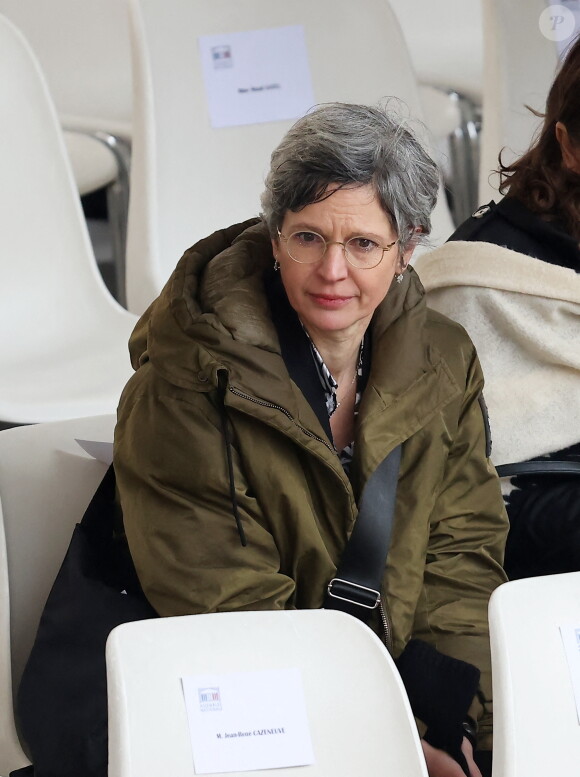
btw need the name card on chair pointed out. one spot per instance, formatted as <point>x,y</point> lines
<point>243,721</point>
<point>256,76</point>
<point>571,638</point>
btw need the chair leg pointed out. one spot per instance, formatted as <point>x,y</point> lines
<point>464,155</point>
<point>118,208</point>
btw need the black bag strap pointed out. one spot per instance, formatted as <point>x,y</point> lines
<point>356,587</point>
<point>546,467</point>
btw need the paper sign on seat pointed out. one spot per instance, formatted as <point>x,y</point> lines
<point>244,721</point>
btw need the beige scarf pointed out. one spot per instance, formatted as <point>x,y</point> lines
<point>524,317</point>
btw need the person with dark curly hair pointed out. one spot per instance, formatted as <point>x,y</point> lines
<point>510,275</point>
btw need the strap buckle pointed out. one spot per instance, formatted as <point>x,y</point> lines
<point>353,593</point>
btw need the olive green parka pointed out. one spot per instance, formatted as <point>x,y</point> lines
<point>296,504</point>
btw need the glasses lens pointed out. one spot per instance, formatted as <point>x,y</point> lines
<point>363,252</point>
<point>306,247</point>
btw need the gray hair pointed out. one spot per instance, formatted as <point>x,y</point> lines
<point>341,143</point>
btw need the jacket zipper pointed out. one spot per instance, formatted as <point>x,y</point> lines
<point>288,415</point>
<point>386,624</point>
<point>384,613</point>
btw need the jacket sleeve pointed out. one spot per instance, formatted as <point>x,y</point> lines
<point>174,490</point>
<point>468,528</point>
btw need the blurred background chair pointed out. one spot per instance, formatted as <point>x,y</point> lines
<point>83,49</point>
<point>188,178</point>
<point>518,69</point>
<point>63,348</point>
<point>46,483</point>
<point>445,42</point>
<point>358,712</point>
<point>536,726</point>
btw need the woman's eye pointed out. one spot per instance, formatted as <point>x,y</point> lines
<point>362,244</point>
<point>307,238</point>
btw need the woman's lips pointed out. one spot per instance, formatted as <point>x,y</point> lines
<point>330,301</point>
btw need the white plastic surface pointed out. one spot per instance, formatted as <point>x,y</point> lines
<point>189,179</point>
<point>63,347</point>
<point>83,47</point>
<point>46,483</point>
<point>519,66</point>
<point>536,728</point>
<point>358,711</point>
<point>93,164</point>
<point>445,41</point>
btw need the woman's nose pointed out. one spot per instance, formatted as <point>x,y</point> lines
<point>334,265</point>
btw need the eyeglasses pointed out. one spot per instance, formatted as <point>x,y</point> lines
<point>307,247</point>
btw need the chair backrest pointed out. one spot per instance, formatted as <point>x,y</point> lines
<point>519,66</point>
<point>446,43</point>
<point>536,722</point>
<point>64,337</point>
<point>358,712</point>
<point>48,273</point>
<point>83,48</point>
<point>46,482</point>
<point>188,178</point>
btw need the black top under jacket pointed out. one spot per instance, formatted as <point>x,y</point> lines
<point>511,225</point>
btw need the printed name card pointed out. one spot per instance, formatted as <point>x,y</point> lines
<point>571,638</point>
<point>243,721</point>
<point>256,76</point>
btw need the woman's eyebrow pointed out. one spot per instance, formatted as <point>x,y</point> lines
<point>303,226</point>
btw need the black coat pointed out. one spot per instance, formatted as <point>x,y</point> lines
<point>512,225</point>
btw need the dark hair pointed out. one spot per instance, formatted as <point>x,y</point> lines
<point>346,144</point>
<point>538,179</point>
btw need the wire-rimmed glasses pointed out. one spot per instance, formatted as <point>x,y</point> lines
<point>307,247</point>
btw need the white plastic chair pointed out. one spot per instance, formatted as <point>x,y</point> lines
<point>83,49</point>
<point>188,179</point>
<point>518,69</point>
<point>358,712</point>
<point>63,348</point>
<point>46,483</point>
<point>445,42</point>
<point>536,726</point>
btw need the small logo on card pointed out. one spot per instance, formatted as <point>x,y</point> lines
<point>221,56</point>
<point>209,699</point>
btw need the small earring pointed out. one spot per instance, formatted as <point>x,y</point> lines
<point>276,265</point>
<point>399,277</point>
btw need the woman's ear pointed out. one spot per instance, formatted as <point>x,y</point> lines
<point>405,256</point>
<point>570,153</point>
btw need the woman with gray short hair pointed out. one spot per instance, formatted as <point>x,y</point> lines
<point>284,360</point>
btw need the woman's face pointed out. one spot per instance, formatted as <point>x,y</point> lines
<point>332,296</point>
